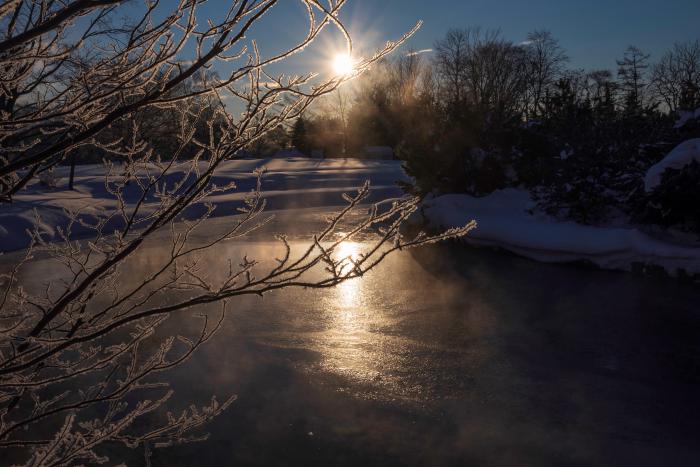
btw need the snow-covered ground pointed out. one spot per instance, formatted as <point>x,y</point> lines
<point>288,183</point>
<point>686,116</point>
<point>508,219</point>
<point>682,155</point>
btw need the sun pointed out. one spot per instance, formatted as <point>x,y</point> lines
<point>343,64</point>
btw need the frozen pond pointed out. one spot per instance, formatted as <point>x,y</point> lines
<point>450,356</point>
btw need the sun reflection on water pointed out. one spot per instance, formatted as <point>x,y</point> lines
<point>349,289</point>
<point>349,297</point>
<point>349,346</point>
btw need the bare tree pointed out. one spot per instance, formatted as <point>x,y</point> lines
<point>406,74</point>
<point>676,78</point>
<point>482,70</point>
<point>451,55</point>
<point>336,107</point>
<point>68,78</point>
<point>496,76</point>
<point>546,60</point>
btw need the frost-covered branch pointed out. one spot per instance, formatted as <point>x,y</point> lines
<point>72,80</point>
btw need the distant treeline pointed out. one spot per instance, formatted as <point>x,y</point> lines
<point>482,113</point>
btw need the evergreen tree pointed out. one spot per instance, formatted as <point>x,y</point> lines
<point>300,137</point>
<point>632,73</point>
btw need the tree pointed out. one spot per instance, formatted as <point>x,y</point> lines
<point>300,137</point>
<point>632,73</point>
<point>545,60</point>
<point>340,102</point>
<point>277,139</point>
<point>94,329</point>
<point>676,77</point>
<point>603,90</point>
<point>451,55</point>
<point>405,78</point>
<point>482,72</point>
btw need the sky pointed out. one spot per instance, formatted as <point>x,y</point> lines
<point>593,32</point>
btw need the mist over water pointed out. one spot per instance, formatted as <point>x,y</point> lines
<point>444,356</point>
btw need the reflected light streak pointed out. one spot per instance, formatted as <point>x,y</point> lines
<point>349,291</point>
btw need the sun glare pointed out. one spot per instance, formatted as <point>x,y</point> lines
<point>343,64</point>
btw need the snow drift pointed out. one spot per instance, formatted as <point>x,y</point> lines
<point>681,156</point>
<point>507,219</point>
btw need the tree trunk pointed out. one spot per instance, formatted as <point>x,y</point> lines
<point>71,177</point>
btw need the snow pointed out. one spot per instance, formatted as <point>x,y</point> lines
<point>288,183</point>
<point>681,156</point>
<point>685,116</point>
<point>504,220</point>
<point>507,218</point>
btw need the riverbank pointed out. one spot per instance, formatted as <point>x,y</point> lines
<point>509,220</point>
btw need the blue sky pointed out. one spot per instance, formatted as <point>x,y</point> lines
<point>594,32</point>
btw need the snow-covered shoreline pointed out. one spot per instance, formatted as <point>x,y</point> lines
<point>508,219</point>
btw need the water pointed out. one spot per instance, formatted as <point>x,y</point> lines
<point>445,356</point>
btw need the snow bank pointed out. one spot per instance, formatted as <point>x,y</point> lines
<point>504,220</point>
<point>681,156</point>
<point>685,116</point>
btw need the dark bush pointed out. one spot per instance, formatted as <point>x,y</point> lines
<point>675,202</point>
